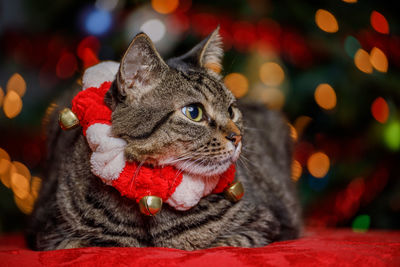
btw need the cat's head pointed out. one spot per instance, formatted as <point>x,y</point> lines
<point>176,112</point>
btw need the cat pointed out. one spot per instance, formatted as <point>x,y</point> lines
<point>149,99</point>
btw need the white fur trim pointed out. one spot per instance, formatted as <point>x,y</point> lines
<point>107,160</point>
<point>99,73</point>
<point>189,192</point>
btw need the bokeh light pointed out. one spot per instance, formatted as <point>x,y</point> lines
<point>362,61</point>
<point>155,29</point>
<point>293,132</point>
<point>164,6</point>
<point>87,51</point>
<point>379,60</point>
<point>273,98</point>
<point>271,74</point>
<point>12,105</point>
<point>318,164</point>
<point>392,135</point>
<point>4,167</point>
<point>351,46</point>
<point>237,83</point>
<point>17,84</point>
<point>98,21</point>
<point>19,185</point>
<point>361,223</point>
<point>296,170</point>
<point>379,22</point>
<point>25,204</point>
<point>66,66</point>
<point>350,1</point>
<point>325,96</point>
<point>326,21</point>
<point>380,110</point>
<point>1,96</point>
<point>36,183</point>
<point>301,123</point>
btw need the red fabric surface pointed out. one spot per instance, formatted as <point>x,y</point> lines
<point>323,247</point>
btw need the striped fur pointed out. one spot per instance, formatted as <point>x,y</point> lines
<point>75,209</point>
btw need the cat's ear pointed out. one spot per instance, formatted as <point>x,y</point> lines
<point>208,53</point>
<point>141,68</point>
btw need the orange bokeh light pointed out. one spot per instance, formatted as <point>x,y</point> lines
<point>379,60</point>
<point>296,170</point>
<point>325,96</point>
<point>273,98</point>
<point>301,123</point>
<point>350,1</point>
<point>25,204</point>
<point>12,105</point>
<point>237,83</point>
<point>318,164</point>
<point>1,96</point>
<point>380,110</point>
<point>379,22</point>
<point>271,74</point>
<point>20,185</point>
<point>36,183</point>
<point>326,21</point>
<point>293,132</point>
<point>362,61</point>
<point>164,6</point>
<point>17,84</point>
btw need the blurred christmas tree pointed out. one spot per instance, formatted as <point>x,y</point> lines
<point>332,67</point>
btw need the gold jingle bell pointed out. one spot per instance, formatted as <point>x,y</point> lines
<point>235,191</point>
<point>67,119</point>
<point>150,205</point>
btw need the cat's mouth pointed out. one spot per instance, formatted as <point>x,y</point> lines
<point>206,166</point>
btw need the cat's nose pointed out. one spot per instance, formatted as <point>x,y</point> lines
<point>234,138</point>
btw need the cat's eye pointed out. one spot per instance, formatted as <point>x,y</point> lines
<point>193,112</point>
<point>231,113</point>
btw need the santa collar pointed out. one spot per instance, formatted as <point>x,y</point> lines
<point>180,190</point>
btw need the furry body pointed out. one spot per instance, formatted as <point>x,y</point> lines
<point>76,209</point>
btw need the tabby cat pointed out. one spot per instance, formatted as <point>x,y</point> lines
<point>147,98</point>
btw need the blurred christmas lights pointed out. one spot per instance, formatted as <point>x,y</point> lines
<point>16,175</point>
<point>326,21</point>
<point>378,60</point>
<point>12,104</point>
<point>391,135</point>
<point>164,6</point>
<point>87,51</point>
<point>237,83</point>
<point>271,74</point>
<point>273,98</point>
<point>362,61</point>
<point>17,84</point>
<point>293,132</point>
<point>66,66</point>
<point>98,21</point>
<point>1,96</point>
<point>350,1</point>
<point>318,164</point>
<point>325,96</point>
<point>296,170</point>
<point>379,22</point>
<point>154,28</point>
<point>361,223</point>
<point>351,46</point>
<point>380,110</point>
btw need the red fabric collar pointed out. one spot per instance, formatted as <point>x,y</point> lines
<point>132,182</point>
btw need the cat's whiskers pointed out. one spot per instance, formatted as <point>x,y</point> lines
<point>136,173</point>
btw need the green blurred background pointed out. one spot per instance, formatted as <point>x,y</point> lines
<point>331,66</point>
